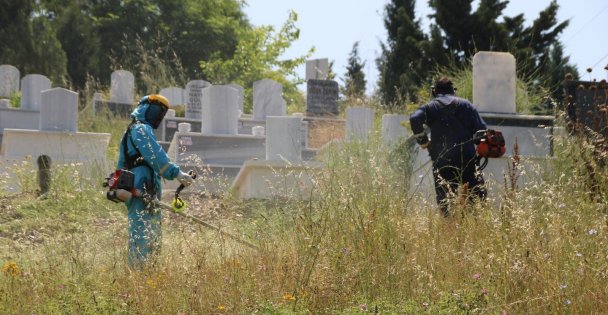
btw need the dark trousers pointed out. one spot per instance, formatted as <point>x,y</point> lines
<point>450,176</point>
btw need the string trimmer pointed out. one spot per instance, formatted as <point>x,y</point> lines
<point>178,206</point>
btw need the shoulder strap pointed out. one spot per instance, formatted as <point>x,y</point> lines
<point>131,161</point>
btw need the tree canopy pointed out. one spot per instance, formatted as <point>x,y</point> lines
<point>457,32</point>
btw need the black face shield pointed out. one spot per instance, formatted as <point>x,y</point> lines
<point>155,113</point>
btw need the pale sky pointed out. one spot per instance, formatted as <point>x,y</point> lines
<point>332,26</point>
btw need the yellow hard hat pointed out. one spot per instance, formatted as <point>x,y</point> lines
<point>159,99</point>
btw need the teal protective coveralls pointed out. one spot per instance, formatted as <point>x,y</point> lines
<point>144,221</point>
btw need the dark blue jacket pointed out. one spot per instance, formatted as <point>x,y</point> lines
<point>453,122</point>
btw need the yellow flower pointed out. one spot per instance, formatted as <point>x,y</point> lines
<point>151,283</point>
<point>288,297</point>
<point>11,268</point>
<point>221,308</point>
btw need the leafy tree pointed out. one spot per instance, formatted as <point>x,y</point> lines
<point>466,32</point>
<point>331,74</point>
<point>79,40</point>
<point>257,57</point>
<point>402,64</point>
<point>354,78</point>
<point>33,47</point>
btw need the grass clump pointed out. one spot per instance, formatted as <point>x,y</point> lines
<point>362,244</point>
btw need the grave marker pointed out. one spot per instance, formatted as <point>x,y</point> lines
<point>9,80</point>
<point>194,98</point>
<point>268,99</point>
<point>59,110</point>
<point>31,87</point>
<point>122,87</point>
<point>494,79</point>
<point>317,69</point>
<point>220,112</point>
<point>359,123</point>
<point>322,97</point>
<point>175,95</point>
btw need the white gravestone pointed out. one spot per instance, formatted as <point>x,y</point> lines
<point>184,127</point>
<point>170,113</point>
<point>317,69</point>
<point>174,94</point>
<point>220,110</point>
<point>4,103</point>
<point>283,138</point>
<point>258,131</point>
<point>122,87</point>
<point>392,129</point>
<point>9,80</point>
<point>31,86</point>
<point>240,91</point>
<point>494,79</point>
<point>268,99</point>
<point>59,110</point>
<point>359,123</point>
<point>194,98</point>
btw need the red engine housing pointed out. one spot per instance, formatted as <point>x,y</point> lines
<point>491,144</point>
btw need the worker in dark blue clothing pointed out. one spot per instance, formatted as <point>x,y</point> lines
<point>452,121</point>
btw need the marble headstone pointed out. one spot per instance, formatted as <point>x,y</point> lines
<point>283,138</point>
<point>31,87</point>
<point>268,99</point>
<point>494,79</point>
<point>122,87</point>
<point>9,80</point>
<point>359,123</point>
<point>220,110</point>
<point>59,110</point>
<point>174,94</point>
<point>317,69</point>
<point>194,98</point>
<point>240,91</point>
<point>392,130</point>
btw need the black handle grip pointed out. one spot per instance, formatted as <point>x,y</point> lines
<point>181,187</point>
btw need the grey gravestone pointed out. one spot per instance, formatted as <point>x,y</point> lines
<point>9,80</point>
<point>359,123</point>
<point>268,99</point>
<point>322,97</point>
<point>59,110</point>
<point>317,69</point>
<point>31,87</point>
<point>194,98</point>
<point>494,82</point>
<point>4,103</point>
<point>240,94</point>
<point>220,110</point>
<point>122,88</point>
<point>175,95</point>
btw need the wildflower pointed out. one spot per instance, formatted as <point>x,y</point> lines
<point>363,307</point>
<point>11,268</point>
<point>288,297</point>
<point>568,302</point>
<point>484,291</point>
<point>592,232</point>
<point>61,286</point>
<point>562,286</point>
<point>221,308</point>
<point>151,283</point>
<point>579,254</point>
<point>476,276</point>
<point>425,305</point>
